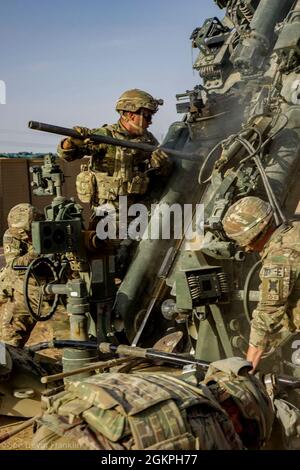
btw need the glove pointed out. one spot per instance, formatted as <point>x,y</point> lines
<point>160,160</point>
<point>83,131</point>
<point>72,142</point>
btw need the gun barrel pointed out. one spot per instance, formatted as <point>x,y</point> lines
<point>104,139</point>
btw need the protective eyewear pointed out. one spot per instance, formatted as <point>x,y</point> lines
<point>147,116</point>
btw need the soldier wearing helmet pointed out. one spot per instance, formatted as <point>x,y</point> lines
<point>250,223</point>
<point>15,322</point>
<point>115,171</point>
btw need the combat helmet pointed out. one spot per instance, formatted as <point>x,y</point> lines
<point>133,100</point>
<point>22,215</point>
<point>246,219</point>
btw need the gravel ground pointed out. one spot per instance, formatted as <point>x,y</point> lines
<point>22,441</point>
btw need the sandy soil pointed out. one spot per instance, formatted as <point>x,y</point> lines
<point>21,441</point>
<point>42,332</point>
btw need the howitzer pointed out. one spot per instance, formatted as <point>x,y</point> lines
<point>103,139</point>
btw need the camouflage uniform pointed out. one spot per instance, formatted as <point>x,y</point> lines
<point>16,323</point>
<point>154,411</point>
<point>278,311</point>
<point>114,171</point>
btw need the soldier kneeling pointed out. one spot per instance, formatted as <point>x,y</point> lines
<point>16,323</point>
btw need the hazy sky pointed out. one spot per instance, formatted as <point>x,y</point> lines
<point>65,62</point>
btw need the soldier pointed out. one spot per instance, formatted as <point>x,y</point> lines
<point>250,223</point>
<point>115,171</point>
<point>230,409</point>
<point>16,323</point>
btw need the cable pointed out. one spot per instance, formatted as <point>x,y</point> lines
<point>246,290</point>
<point>270,193</point>
<point>261,170</point>
<point>269,138</point>
<point>59,344</point>
<point>203,167</point>
<point>213,116</point>
<point>232,138</point>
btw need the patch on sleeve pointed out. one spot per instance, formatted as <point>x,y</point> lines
<point>273,271</point>
<point>276,282</point>
<point>273,286</point>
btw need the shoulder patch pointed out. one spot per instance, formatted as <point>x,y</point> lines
<point>276,282</point>
<point>273,271</point>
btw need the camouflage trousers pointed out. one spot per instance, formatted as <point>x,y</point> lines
<point>16,323</point>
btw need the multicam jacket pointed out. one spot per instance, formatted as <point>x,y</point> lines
<point>278,311</point>
<point>18,251</point>
<point>17,247</point>
<point>112,171</point>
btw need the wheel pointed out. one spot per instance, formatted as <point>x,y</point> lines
<point>39,273</point>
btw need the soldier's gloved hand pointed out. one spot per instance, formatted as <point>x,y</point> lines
<point>72,142</point>
<point>160,160</point>
<point>83,131</point>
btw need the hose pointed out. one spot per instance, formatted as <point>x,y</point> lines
<point>260,148</point>
<point>246,290</point>
<point>59,344</point>
<point>270,193</point>
<point>233,137</point>
<point>203,167</point>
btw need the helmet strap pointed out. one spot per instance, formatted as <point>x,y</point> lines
<point>138,128</point>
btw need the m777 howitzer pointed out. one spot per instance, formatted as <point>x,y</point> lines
<point>244,121</point>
